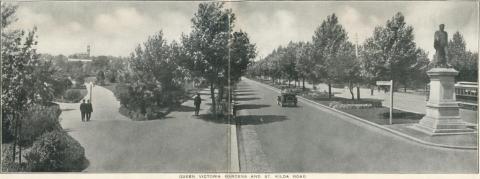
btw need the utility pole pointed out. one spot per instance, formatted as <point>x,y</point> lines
<point>91,91</point>
<point>356,58</point>
<point>392,41</point>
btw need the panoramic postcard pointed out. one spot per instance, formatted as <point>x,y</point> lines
<point>239,87</point>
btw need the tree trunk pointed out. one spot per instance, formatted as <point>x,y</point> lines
<point>329,90</point>
<point>303,83</point>
<point>358,93</point>
<point>212,95</point>
<point>19,140</point>
<point>220,93</point>
<point>350,88</point>
<point>297,82</point>
<point>14,136</point>
<point>405,89</point>
<point>371,91</point>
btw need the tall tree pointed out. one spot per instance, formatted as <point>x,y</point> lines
<point>327,41</point>
<point>304,62</point>
<point>462,60</point>
<point>155,74</point>
<point>347,68</point>
<point>213,48</point>
<point>207,44</point>
<point>24,80</point>
<point>391,52</point>
<point>241,54</point>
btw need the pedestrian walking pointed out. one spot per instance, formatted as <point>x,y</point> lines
<point>89,110</point>
<point>83,110</point>
<point>197,101</point>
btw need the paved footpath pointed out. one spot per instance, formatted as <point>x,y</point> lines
<point>179,143</point>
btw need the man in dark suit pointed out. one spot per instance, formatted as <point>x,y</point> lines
<point>83,109</point>
<point>197,101</point>
<point>89,110</point>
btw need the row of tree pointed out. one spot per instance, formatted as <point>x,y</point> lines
<point>211,53</point>
<point>390,53</point>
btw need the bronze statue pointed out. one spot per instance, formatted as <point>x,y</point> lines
<point>440,43</point>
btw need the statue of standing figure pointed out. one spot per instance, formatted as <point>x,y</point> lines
<point>441,43</point>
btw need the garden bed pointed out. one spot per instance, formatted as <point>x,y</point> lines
<point>152,113</point>
<point>381,115</point>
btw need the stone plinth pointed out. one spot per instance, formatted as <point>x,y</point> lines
<point>442,115</point>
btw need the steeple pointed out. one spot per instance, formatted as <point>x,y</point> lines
<point>88,51</point>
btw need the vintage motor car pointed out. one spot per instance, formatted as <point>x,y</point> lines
<point>287,98</point>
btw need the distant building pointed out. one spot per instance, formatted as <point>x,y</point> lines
<point>81,57</point>
<point>79,60</point>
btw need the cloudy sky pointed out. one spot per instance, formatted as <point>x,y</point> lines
<point>115,28</point>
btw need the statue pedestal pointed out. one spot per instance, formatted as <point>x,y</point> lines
<point>442,115</point>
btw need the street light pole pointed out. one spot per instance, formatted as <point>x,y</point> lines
<point>392,41</point>
<point>391,103</point>
<point>91,91</point>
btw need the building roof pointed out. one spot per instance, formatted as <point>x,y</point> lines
<point>79,60</point>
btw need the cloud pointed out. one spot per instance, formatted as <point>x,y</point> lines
<point>457,16</point>
<point>121,22</point>
<point>269,30</point>
<point>114,32</point>
<point>28,18</point>
<point>116,28</point>
<point>356,23</point>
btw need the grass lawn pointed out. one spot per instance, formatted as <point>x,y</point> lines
<point>381,115</point>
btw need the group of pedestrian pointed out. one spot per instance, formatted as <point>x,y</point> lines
<point>86,109</point>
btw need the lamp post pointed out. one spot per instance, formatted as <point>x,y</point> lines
<point>394,28</point>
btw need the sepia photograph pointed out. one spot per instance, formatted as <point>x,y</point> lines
<point>239,87</point>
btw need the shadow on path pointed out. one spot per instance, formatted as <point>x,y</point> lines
<point>245,94</point>
<point>183,108</point>
<point>259,119</point>
<point>246,99</point>
<point>246,90</point>
<point>251,106</point>
<point>243,120</point>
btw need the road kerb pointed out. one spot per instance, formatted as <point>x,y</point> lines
<point>377,125</point>
<point>234,161</point>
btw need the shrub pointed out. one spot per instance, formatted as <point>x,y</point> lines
<point>7,161</point>
<point>39,119</point>
<point>56,151</point>
<point>122,92</point>
<point>73,95</point>
<point>318,95</point>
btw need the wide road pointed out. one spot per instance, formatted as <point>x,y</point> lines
<point>309,138</point>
